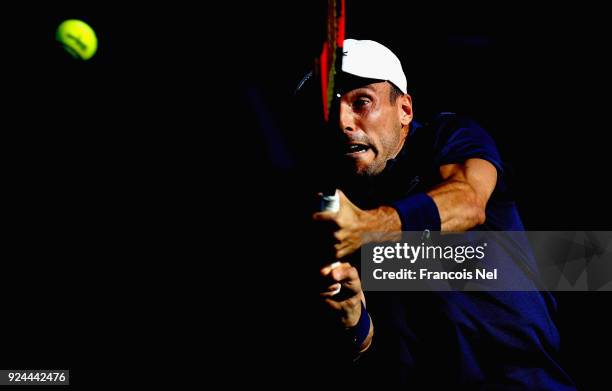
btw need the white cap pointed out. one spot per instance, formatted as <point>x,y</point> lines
<point>372,60</point>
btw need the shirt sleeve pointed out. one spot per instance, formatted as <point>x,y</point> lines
<point>459,139</point>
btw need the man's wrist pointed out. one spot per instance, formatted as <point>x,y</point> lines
<point>418,212</point>
<point>359,333</point>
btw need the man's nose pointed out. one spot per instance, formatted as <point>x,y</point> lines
<point>346,120</point>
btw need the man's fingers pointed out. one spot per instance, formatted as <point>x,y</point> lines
<point>332,290</point>
<point>344,252</point>
<point>327,269</point>
<point>344,272</point>
<point>340,235</point>
<point>342,249</point>
<point>341,273</point>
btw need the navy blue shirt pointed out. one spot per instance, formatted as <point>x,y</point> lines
<point>464,340</point>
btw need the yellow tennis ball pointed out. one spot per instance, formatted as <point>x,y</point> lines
<point>78,38</point>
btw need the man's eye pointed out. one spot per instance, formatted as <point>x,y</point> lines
<point>361,103</point>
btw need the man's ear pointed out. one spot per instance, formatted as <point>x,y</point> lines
<point>404,105</point>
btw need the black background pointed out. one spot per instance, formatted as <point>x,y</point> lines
<point>96,151</point>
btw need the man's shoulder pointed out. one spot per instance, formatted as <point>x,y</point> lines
<point>445,123</point>
<point>454,138</point>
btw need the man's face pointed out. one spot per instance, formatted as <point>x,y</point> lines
<point>374,128</point>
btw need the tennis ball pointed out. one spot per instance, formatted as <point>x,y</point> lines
<point>78,38</point>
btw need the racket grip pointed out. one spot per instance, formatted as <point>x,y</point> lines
<point>330,203</point>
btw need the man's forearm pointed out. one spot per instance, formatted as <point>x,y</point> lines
<point>449,207</point>
<point>381,219</point>
<point>458,206</point>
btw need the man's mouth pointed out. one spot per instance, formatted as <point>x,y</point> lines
<point>356,149</point>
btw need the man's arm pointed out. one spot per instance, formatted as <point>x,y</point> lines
<point>462,198</point>
<point>460,201</point>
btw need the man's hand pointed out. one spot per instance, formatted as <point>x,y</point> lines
<point>349,223</point>
<point>347,304</point>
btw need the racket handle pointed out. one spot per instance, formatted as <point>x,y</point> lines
<point>330,203</point>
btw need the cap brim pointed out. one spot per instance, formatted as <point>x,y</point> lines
<point>346,82</point>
